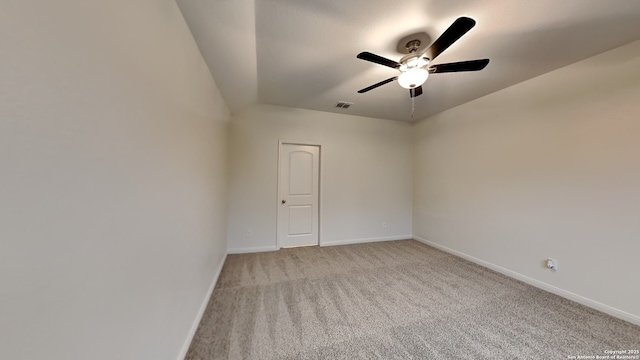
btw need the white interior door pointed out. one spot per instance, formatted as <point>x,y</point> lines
<point>299,179</point>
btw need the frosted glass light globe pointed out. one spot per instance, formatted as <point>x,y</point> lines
<point>413,78</point>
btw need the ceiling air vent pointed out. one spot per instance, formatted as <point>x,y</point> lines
<point>343,104</point>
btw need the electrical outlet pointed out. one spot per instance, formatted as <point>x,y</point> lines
<point>249,233</point>
<point>384,224</point>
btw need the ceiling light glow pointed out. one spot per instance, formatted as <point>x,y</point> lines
<point>413,77</point>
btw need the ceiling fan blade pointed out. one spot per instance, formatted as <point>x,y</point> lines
<point>378,59</point>
<point>471,65</point>
<point>378,84</point>
<point>415,91</point>
<point>451,35</point>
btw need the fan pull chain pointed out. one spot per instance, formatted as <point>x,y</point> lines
<point>413,106</point>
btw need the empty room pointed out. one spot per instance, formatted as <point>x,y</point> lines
<point>278,179</point>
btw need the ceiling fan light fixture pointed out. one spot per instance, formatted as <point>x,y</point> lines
<point>412,78</point>
<point>414,68</point>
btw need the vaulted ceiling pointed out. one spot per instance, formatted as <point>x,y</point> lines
<point>302,53</point>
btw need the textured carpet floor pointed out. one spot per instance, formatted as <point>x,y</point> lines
<point>391,300</point>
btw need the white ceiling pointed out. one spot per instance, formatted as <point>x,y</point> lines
<point>302,53</point>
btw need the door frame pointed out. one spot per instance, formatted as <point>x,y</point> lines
<point>320,172</point>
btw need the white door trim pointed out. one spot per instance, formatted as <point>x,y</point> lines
<point>279,195</point>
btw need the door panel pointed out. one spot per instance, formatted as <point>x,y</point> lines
<point>300,173</point>
<point>298,206</point>
<point>300,220</point>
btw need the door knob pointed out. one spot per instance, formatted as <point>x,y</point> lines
<point>284,201</point>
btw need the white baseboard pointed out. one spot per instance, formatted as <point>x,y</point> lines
<point>203,307</point>
<point>322,243</point>
<point>252,249</point>
<point>365,240</point>
<point>634,319</point>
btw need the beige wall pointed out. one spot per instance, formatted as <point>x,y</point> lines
<point>112,180</point>
<point>365,175</point>
<point>546,168</point>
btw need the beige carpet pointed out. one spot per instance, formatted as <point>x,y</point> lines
<point>391,300</point>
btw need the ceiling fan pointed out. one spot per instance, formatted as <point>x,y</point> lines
<point>414,68</point>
